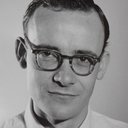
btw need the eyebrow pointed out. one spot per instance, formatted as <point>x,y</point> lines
<point>41,46</point>
<point>86,52</point>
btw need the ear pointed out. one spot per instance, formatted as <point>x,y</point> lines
<point>103,65</point>
<point>21,52</point>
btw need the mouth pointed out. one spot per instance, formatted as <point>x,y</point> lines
<point>62,94</point>
<point>62,97</point>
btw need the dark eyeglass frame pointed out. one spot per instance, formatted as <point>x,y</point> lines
<point>35,50</point>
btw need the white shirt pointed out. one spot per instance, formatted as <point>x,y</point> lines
<point>93,120</point>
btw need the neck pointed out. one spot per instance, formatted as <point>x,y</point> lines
<point>75,122</point>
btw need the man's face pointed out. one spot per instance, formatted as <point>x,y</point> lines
<point>69,32</point>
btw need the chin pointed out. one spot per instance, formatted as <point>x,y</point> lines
<point>62,116</point>
<point>61,109</point>
<point>64,112</point>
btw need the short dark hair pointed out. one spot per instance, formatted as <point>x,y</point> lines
<point>58,5</point>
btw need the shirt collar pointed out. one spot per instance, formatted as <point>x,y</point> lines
<point>31,122</point>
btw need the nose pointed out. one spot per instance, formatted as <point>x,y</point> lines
<point>64,77</point>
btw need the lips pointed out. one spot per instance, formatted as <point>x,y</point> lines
<point>61,93</point>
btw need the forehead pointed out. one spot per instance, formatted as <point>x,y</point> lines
<point>66,29</point>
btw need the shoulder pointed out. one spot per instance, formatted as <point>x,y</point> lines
<point>100,120</point>
<point>15,122</point>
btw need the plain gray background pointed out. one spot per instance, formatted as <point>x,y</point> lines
<point>111,94</point>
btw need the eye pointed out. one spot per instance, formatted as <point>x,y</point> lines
<point>84,61</point>
<point>45,53</point>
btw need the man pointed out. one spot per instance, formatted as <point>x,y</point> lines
<point>63,50</point>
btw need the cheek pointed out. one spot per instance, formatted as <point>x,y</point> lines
<point>88,82</point>
<point>36,80</point>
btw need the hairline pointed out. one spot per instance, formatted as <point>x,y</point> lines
<point>55,9</point>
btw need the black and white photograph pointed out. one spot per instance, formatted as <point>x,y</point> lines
<point>63,64</point>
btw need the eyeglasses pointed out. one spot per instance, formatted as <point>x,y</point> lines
<point>51,60</point>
